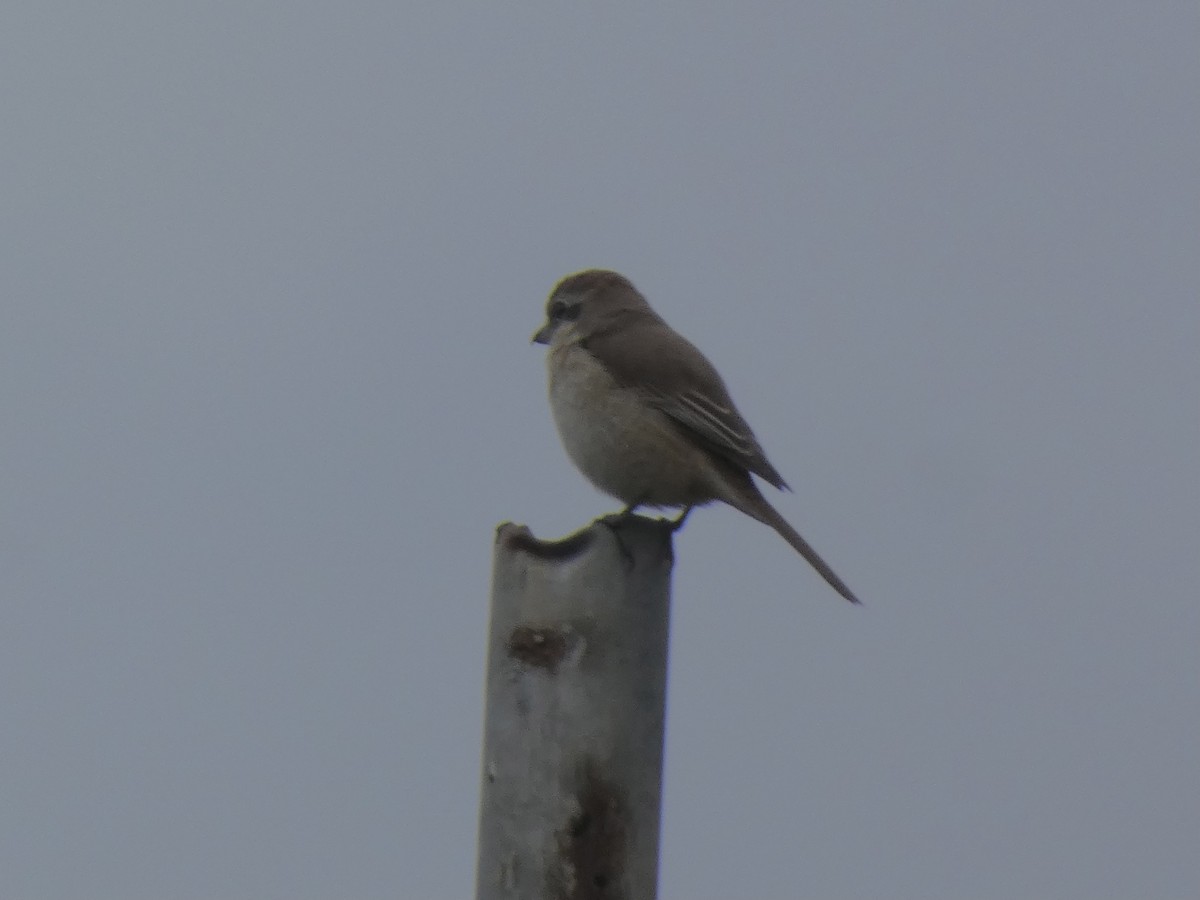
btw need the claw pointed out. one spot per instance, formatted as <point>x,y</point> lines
<point>676,524</point>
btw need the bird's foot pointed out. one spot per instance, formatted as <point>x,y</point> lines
<point>677,522</point>
<point>614,521</point>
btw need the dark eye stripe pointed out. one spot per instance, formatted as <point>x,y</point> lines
<point>563,311</point>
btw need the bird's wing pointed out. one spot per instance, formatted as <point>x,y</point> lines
<point>650,357</point>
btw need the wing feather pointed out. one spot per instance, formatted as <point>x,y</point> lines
<point>646,355</point>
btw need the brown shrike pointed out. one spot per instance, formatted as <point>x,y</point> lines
<point>644,416</point>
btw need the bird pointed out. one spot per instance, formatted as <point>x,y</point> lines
<point>644,415</point>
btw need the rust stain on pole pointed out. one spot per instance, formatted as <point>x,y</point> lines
<point>592,844</point>
<point>541,648</point>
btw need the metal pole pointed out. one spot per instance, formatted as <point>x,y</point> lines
<point>575,714</point>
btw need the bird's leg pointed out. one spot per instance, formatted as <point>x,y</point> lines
<point>677,523</point>
<point>625,514</point>
<point>614,520</point>
<point>617,518</point>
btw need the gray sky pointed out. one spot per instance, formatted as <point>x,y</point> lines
<point>269,275</point>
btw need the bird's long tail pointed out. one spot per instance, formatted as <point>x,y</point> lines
<point>754,504</point>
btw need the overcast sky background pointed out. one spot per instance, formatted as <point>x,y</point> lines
<point>269,272</point>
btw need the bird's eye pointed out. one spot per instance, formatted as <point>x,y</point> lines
<point>564,312</point>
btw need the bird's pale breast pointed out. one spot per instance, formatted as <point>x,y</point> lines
<point>623,446</point>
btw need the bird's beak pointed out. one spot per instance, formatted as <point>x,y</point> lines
<point>544,334</point>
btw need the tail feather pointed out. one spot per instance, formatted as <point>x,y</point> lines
<point>751,501</point>
<point>789,534</point>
